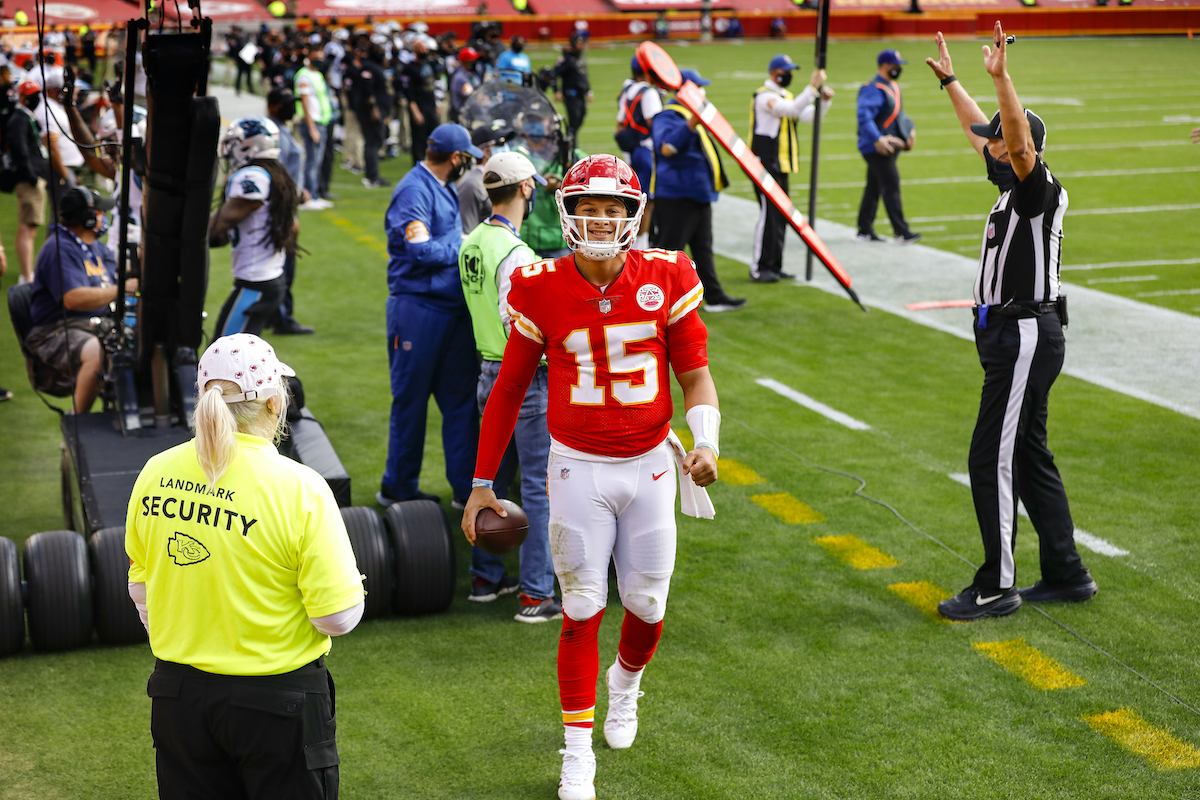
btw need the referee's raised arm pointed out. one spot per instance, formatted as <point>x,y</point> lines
<point>965,107</point>
<point>1015,127</point>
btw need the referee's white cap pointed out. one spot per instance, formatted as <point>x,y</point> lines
<point>247,360</point>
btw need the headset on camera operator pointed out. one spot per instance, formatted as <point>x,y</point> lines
<point>74,282</point>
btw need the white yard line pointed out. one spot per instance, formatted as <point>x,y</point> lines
<point>1051,150</point>
<point>1158,262</point>
<point>1168,293</point>
<point>1123,279</point>
<point>1082,537</point>
<point>1095,173</point>
<point>813,405</point>
<point>1071,212</point>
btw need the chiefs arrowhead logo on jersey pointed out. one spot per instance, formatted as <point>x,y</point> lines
<point>650,297</point>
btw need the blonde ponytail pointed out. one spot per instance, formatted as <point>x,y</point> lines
<point>216,421</point>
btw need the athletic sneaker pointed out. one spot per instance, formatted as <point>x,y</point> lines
<point>784,275</point>
<point>577,781</point>
<point>972,604</point>
<point>485,592</point>
<point>725,304</point>
<point>5,394</point>
<point>765,277</point>
<point>1042,592</point>
<point>458,503</point>
<point>908,238</point>
<point>869,237</point>
<point>621,724</point>
<point>535,610</point>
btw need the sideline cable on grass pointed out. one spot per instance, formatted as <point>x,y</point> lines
<point>862,484</point>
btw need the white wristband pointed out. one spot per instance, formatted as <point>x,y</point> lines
<point>705,424</point>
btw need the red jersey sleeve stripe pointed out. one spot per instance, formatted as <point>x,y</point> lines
<point>687,303</point>
<point>526,326</point>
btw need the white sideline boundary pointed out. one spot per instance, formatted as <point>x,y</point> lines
<point>1082,537</point>
<point>813,405</point>
<point>1134,348</point>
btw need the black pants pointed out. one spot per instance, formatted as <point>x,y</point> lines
<point>1009,456</point>
<point>283,317</point>
<point>576,111</point>
<point>222,737</point>
<point>372,132</point>
<point>326,165</point>
<point>251,306</point>
<point>421,132</point>
<point>680,223</point>
<point>883,180</point>
<point>772,225</point>
<point>243,70</point>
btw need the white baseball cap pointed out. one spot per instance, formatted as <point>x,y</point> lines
<point>248,361</point>
<point>511,167</point>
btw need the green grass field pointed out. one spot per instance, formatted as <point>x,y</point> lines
<point>783,671</point>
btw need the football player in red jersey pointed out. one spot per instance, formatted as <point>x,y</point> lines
<point>608,320</point>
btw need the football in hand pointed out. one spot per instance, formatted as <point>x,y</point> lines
<point>499,535</point>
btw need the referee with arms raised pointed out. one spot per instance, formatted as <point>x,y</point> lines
<point>241,569</point>
<point>1019,318</point>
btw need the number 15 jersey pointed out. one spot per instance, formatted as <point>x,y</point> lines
<point>608,351</point>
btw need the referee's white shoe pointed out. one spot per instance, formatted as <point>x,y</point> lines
<point>621,723</point>
<point>578,778</point>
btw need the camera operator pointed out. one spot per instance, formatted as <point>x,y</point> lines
<point>1019,319</point>
<point>75,279</point>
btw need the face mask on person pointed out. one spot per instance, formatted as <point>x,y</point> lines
<point>529,202</point>
<point>895,73</point>
<point>784,80</point>
<point>318,64</point>
<point>32,101</point>
<point>999,173</point>
<point>517,47</point>
<point>458,169</point>
<point>287,112</point>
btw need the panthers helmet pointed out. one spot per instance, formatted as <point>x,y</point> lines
<point>249,138</point>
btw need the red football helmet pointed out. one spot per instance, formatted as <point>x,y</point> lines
<point>600,176</point>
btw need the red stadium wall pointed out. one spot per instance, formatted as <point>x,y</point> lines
<point>1071,21</point>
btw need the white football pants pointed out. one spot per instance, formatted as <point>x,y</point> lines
<point>623,509</point>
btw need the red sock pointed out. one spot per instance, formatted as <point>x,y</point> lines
<point>638,642</point>
<point>578,668</point>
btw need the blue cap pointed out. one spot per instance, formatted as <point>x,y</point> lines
<point>890,57</point>
<point>782,61</point>
<point>694,77</point>
<point>450,137</point>
<point>635,65</point>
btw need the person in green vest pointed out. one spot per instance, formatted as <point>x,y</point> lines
<point>774,113</point>
<point>486,262</point>
<point>543,230</point>
<point>315,111</point>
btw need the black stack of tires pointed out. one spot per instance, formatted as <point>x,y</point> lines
<point>71,586</point>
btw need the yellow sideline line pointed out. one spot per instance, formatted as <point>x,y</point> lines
<point>1036,669</point>
<point>788,508</point>
<point>1126,728</point>
<point>923,595</point>
<point>857,553</point>
<point>735,473</point>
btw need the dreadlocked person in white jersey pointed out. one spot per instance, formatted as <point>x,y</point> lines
<point>257,218</point>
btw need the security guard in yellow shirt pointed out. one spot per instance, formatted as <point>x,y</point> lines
<point>241,569</point>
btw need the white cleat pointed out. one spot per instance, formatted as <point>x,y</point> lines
<point>578,778</point>
<point>621,724</point>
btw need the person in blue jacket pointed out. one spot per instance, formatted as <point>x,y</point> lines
<point>884,130</point>
<point>688,178</point>
<point>431,346</point>
<point>514,64</point>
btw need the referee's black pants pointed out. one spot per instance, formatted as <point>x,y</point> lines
<point>224,737</point>
<point>1009,457</point>
<point>772,227</point>
<point>678,223</point>
<point>883,180</point>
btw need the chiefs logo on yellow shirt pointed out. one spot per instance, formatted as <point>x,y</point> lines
<point>416,232</point>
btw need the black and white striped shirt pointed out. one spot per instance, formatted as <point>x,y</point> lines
<point>1022,244</point>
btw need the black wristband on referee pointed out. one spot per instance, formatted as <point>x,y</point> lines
<point>946,81</point>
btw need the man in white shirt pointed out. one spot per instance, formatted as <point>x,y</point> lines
<point>65,157</point>
<point>773,117</point>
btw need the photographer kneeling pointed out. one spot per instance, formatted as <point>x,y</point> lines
<point>75,278</point>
